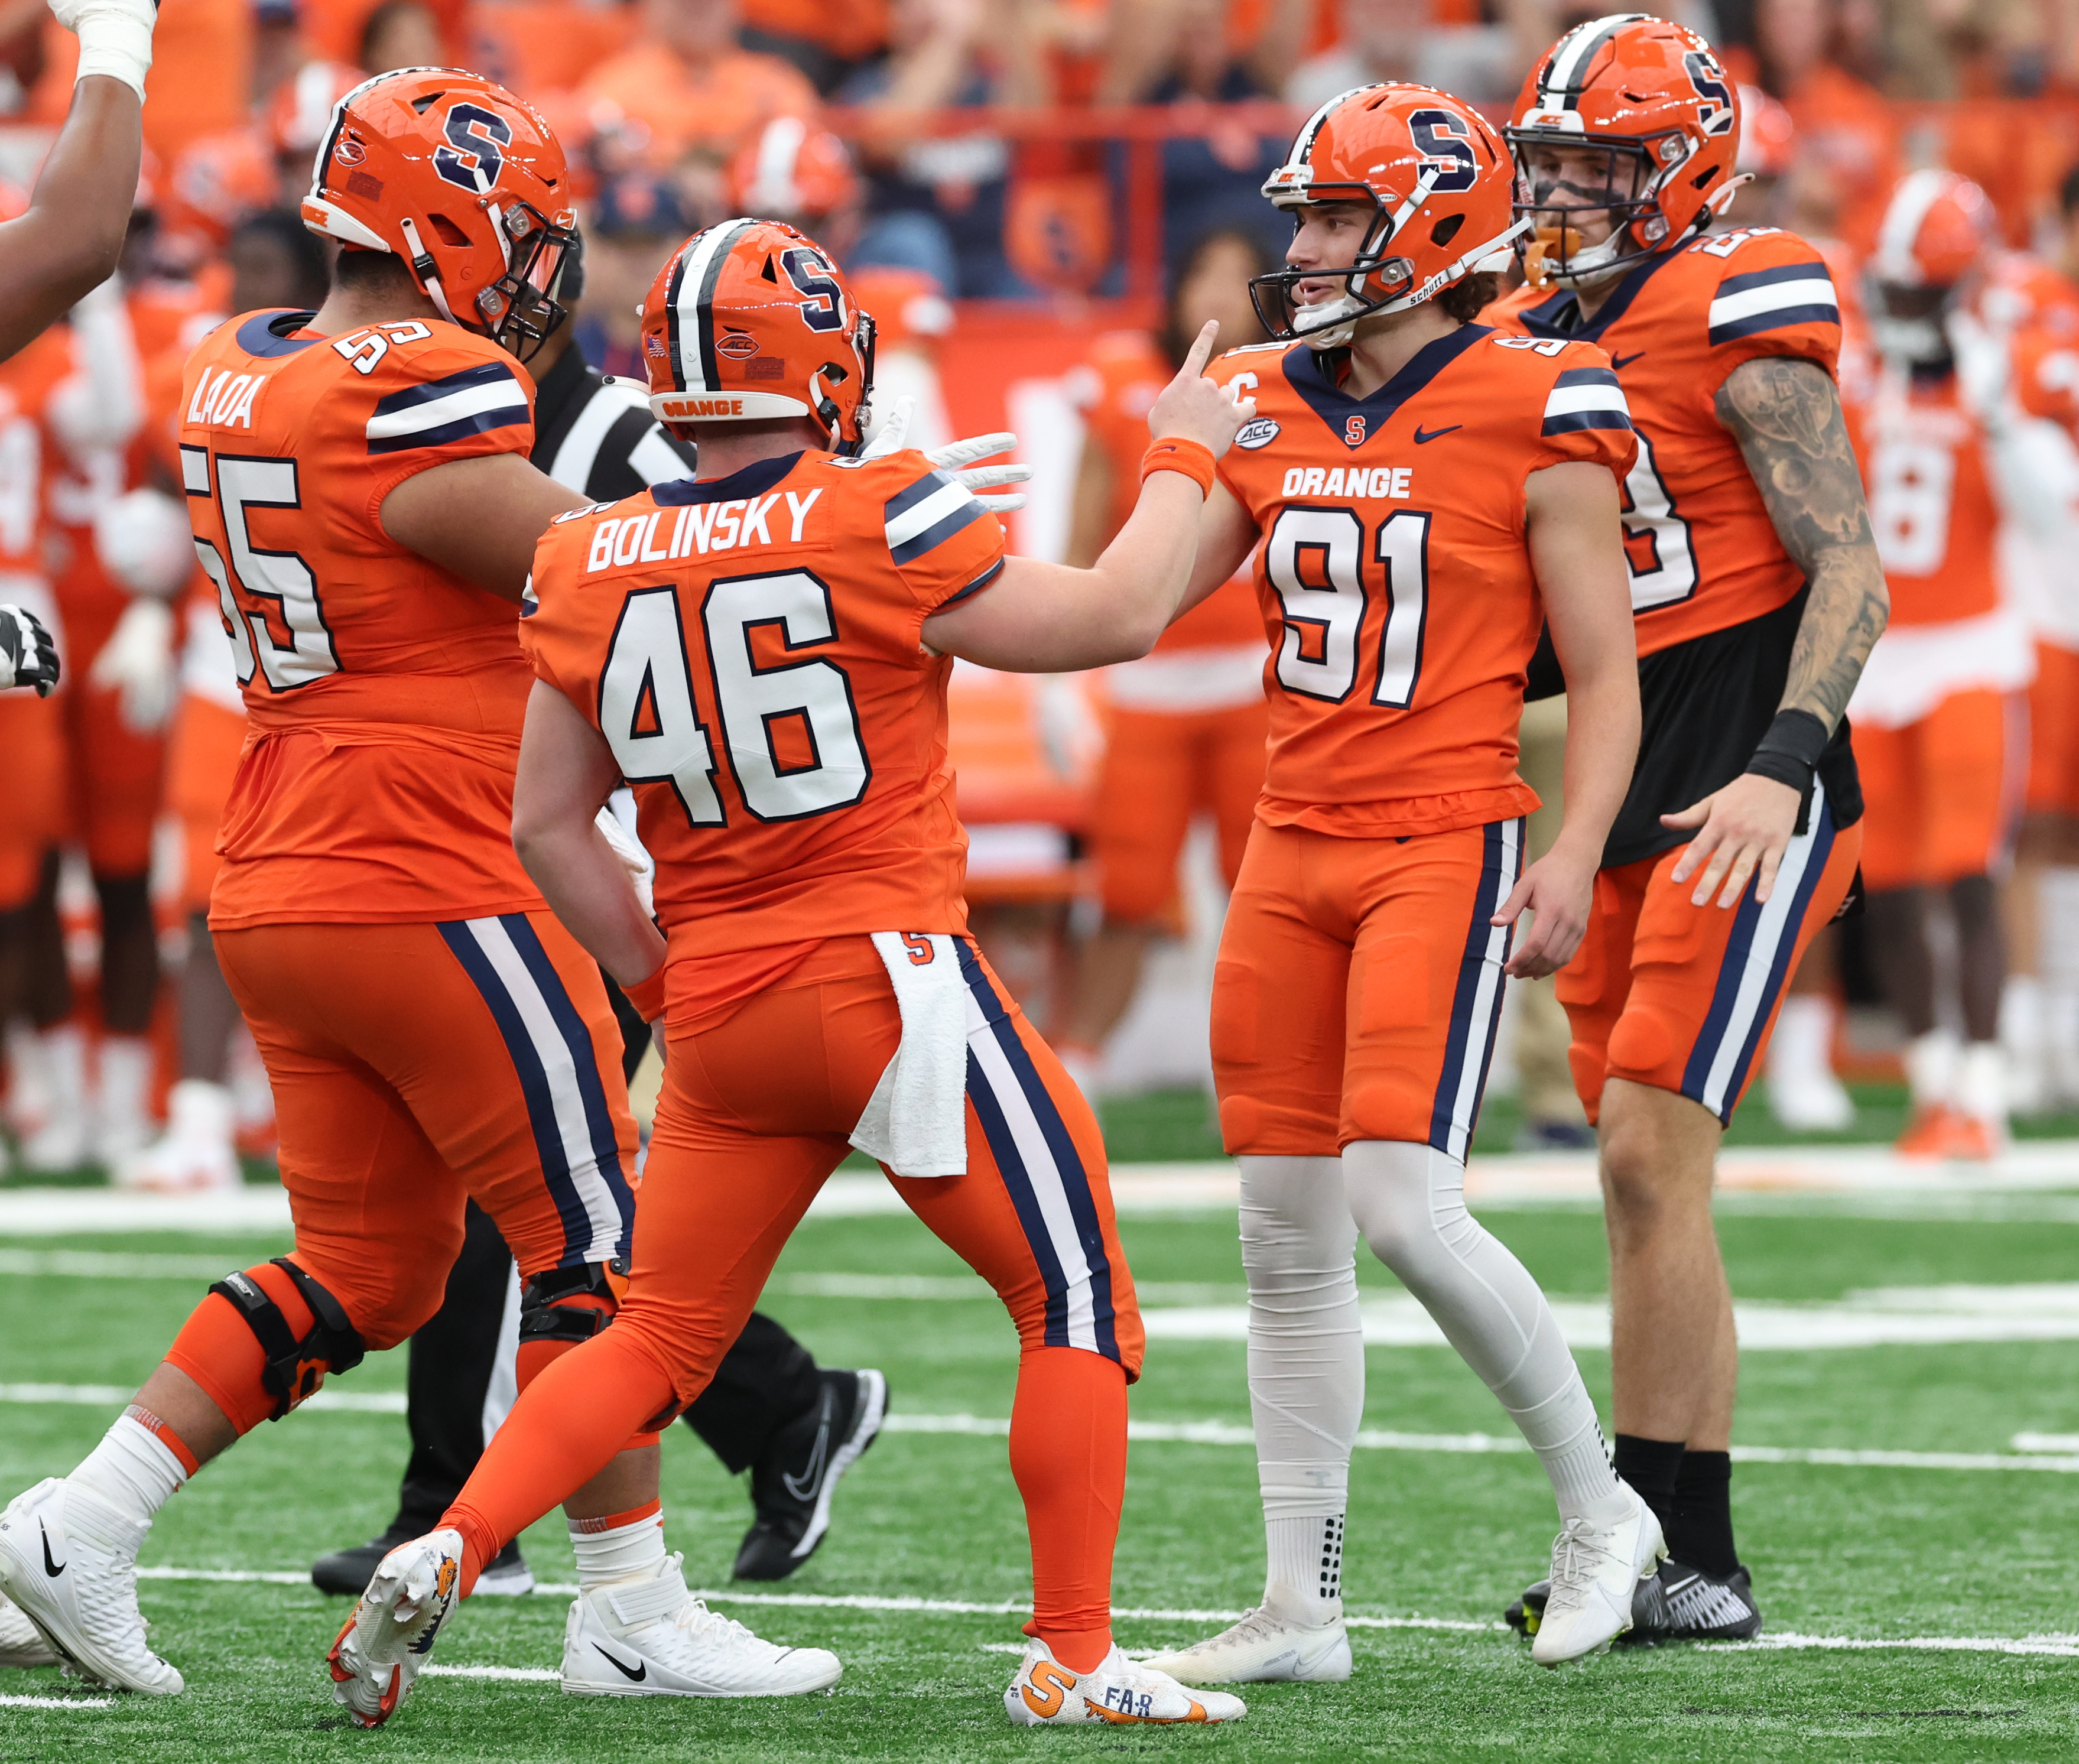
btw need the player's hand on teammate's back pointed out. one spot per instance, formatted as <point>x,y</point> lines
<point>1745,827</point>
<point>1192,408</point>
<point>1557,891</point>
<point>28,657</point>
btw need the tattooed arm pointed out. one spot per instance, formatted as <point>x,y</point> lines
<point>1786,415</point>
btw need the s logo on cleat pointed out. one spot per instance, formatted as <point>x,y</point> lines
<point>1046,1688</point>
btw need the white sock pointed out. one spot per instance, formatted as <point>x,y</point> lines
<point>1803,1041</point>
<point>1981,1082</point>
<point>634,1551</point>
<point>1409,1201</point>
<point>1931,1067</point>
<point>126,1062</point>
<point>132,1471</point>
<point>64,1052</point>
<point>1306,1369</point>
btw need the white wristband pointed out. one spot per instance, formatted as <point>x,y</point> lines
<point>117,43</point>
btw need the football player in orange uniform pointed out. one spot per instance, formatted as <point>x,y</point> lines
<point>358,484</point>
<point>763,653</point>
<point>1426,493</point>
<point>1757,593</point>
<point>1939,713</point>
<point>1185,726</point>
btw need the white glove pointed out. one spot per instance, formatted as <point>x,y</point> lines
<point>144,540</point>
<point>1984,372</point>
<point>955,458</point>
<point>137,660</point>
<point>27,655</point>
<point>115,37</point>
<point>641,867</point>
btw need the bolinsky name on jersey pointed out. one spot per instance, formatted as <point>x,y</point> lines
<point>1394,481</point>
<point>700,529</point>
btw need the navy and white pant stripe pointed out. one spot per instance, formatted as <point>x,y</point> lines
<point>1757,965</point>
<point>1476,1004</point>
<point>1041,1169</point>
<point>557,1066</point>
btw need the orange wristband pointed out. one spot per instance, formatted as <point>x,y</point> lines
<point>1193,459</point>
<point>647,996</point>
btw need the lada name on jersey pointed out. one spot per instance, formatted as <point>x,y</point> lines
<point>699,529</point>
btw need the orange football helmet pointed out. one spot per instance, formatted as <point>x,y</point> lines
<point>750,321</point>
<point>790,172</point>
<point>1938,229</point>
<point>1436,175</point>
<point>462,181</point>
<point>217,182</point>
<point>301,112</point>
<point>1768,137</point>
<point>1652,97</point>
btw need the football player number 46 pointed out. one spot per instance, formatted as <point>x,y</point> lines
<point>651,720</point>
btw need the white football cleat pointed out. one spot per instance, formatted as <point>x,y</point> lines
<point>653,1638</point>
<point>378,1654</point>
<point>1595,1570</point>
<point>1044,1693</point>
<point>196,1155</point>
<point>1263,1648</point>
<point>22,1643</point>
<point>70,1562</point>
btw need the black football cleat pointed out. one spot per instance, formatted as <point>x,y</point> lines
<point>792,1486</point>
<point>348,1572</point>
<point>1679,1604</point>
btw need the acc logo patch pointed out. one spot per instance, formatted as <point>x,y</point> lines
<point>349,152</point>
<point>738,345</point>
<point>1257,431</point>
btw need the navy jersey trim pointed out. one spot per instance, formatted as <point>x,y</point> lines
<point>754,480</point>
<point>1303,374</point>
<point>262,334</point>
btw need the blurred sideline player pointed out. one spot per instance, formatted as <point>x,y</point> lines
<point>1941,741</point>
<point>360,492</point>
<point>771,679</point>
<point>1756,593</point>
<point>1185,726</point>
<point>797,1427</point>
<point>1421,494</point>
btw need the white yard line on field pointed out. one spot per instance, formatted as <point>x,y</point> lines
<point>57,1703</point>
<point>525,1675</point>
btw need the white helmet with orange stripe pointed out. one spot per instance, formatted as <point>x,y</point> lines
<point>1938,231</point>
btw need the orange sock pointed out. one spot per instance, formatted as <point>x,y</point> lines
<point>569,1423</point>
<point>1068,1454</point>
<point>217,1349</point>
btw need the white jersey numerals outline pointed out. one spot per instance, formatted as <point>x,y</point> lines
<point>1649,515</point>
<point>1334,606</point>
<point>238,482</point>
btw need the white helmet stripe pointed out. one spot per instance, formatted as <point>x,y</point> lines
<point>692,321</point>
<point>773,190</point>
<point>1559,90</point>
<point>1302,143</point>
<point>1893,259</point>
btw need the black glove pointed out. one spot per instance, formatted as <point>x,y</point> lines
<point>27,655</point>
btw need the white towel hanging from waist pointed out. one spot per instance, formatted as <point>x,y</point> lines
<point>915,1122</point>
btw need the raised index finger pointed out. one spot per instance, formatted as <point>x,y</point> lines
<point>1200,351</point>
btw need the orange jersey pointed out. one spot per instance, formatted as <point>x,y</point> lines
<point>1931,504</point>
<point>386,694</point>
<point>2037,309</point>
<point>26,380</point>
<point>750,648</point>
<point>1115,390</point>
<point>1703,554</point>
<point>1393,574</point>
<point>712,108</point>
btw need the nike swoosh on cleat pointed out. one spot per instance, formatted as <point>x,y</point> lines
<point>1622,361</point>
<point>803,1488</point>
<point>634,1677</point>
<point>1422,439</point>
<point>52,1568</point>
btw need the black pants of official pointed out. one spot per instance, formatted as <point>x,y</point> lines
<point>765,1381</point>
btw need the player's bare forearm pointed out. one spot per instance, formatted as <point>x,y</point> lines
<point>566,772</point>
<point>1787,416</point>
<point>67,243</point>
<point>1226,536</point>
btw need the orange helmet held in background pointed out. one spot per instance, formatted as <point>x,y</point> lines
<point>301,111</point>
<point>217,182</point>
<point>1665,114</point>
<point>465,184</point>
<point>1938,229</point>
<point>790,172</point>
<point>750,321</point>
<point>1768,137</point>
<point>1439,178</point>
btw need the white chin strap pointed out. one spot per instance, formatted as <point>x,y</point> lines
<point>1330,324</point>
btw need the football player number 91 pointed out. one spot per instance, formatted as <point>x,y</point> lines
<point>649,717</point>
<point>1329,542</point>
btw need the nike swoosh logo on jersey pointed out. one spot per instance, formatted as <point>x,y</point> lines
<point>1423,438</point>
<point>803,1488</point>
<point>634,1675</point>
<point>1622,361</point>
<point>51,1568</point>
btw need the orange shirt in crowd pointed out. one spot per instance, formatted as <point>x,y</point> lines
<point>531,47</point>
<point>710,108</point>
<point>1849,127</point>
<point>1931,504</point>
<point>202,72</point>
<point>850,32</point>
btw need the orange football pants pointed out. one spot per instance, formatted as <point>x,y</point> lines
<point>201,760</point>
<point>416,1067</point>
<point>1160,769</point>
<point>32,747</point>
<point>757,1108</point>
<point>1942,795</point>
<point>1359,987</point>
<point>116,774</point>
<point>2053,731</point>
<point>1684,997</point>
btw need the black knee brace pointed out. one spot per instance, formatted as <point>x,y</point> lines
<point>546,1316</point>
<point>294,1368</point>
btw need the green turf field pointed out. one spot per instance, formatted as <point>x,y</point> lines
<point>1439,1540</point>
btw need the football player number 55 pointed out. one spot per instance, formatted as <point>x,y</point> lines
<point>240,482</point>
<point>651,720</point>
